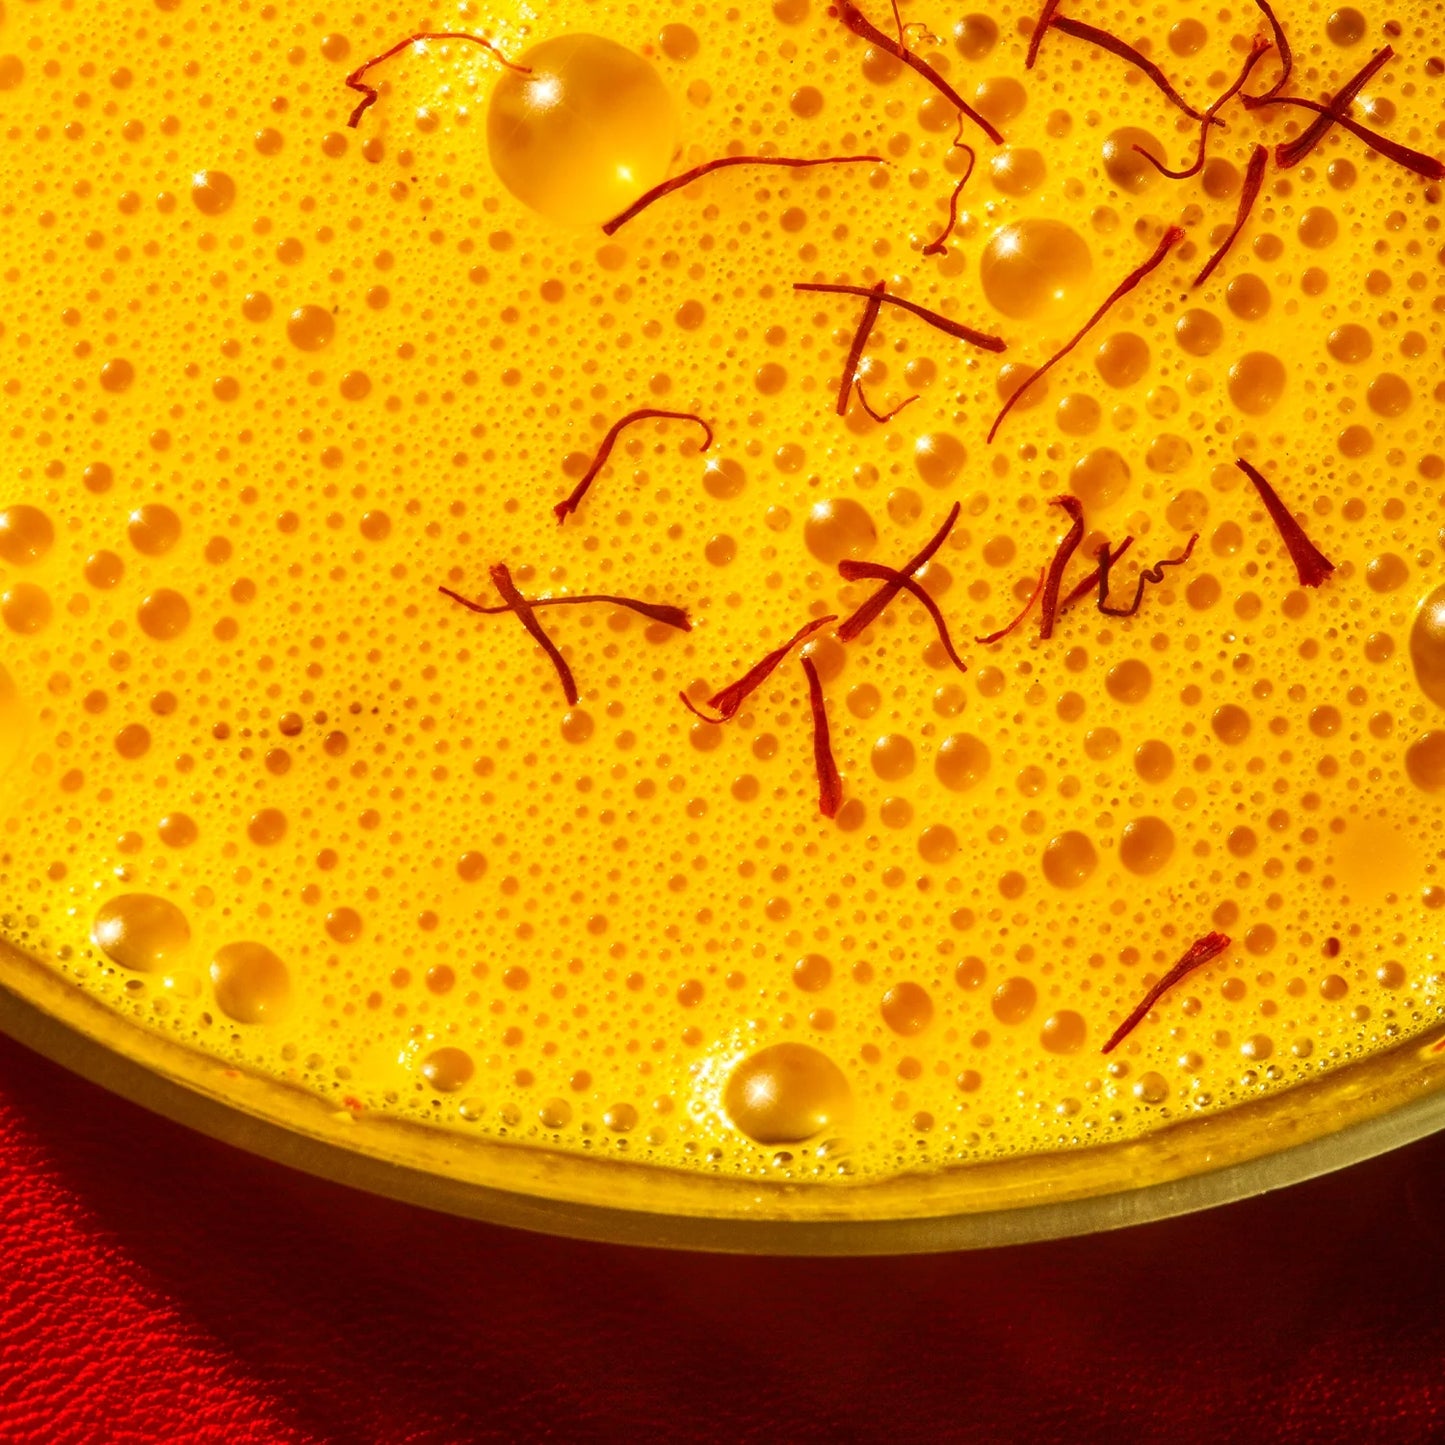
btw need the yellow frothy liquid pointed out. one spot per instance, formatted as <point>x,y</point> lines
<point>271,382</point>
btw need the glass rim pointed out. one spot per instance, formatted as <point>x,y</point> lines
<point>1351,1113</point>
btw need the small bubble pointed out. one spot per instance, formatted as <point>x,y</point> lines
<point>1146,845</point>
<point>252,984</point>
<point>343,925</point>
<point>962,761</point>
<point>907,1008</point>
<point>1035,270</point>
<point>1064,1032</point>
<point>153,529</point>
<point>787,1094</point>
<point>1070,859</point>
<point>940,458</point>
<point>164,614</point>
<point>560,141</point>
<point>25,608</point>
<point>893,757</point>
<point>812,973</point>
<point>310,328</point>
<point>448,1069</point>
<point>1013,1000</point>
<point>1256,382</point>
<point>837,529</point>
<point>266,827</point>
<point>141,931</point>
<point>1125,166</point>
<point>213,192</point>
<point>26,535</point>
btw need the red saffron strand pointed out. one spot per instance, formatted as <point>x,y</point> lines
<point>861,619</point>
<point>1167,242</point>
<point>1286,55</point>
<point>939,245</point>
<point>864,330</point>
<point>1257,49</point>
<point>861,26</point>
<point>1115,46</point>
<point>661,612</point>
<point>860,571</point>
<point>1018,621</point>
<point>565,508</point>
<point>1041,25</point>
<point>939,322</point>
<point>1200,952</point>
<point>502,581</point>
<point>1154,574</point>
<point>830,785</point>
<point>1291,153</point>
<point>918,25</point>
<point>1049,608</point>
<point>1420,162</point>
<point>728,700</point>
<point>1087,584</point>
<point>1309,562</point>
<point>370,94</point>
<point>1248,194</point>
<point>887,416</point>
<point>666,188</point>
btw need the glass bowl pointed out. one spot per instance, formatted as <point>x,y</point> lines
<point>1352,1113</point>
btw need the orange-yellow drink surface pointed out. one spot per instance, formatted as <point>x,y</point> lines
<point>270,381</point>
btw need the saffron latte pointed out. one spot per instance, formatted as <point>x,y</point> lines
<point>285,394</point>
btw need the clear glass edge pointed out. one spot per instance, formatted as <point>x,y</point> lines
<point>1354,1112</point>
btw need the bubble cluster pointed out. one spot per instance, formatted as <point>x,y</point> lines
<point>274,382</point>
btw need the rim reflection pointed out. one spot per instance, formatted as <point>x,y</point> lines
<point>1353,1113</point>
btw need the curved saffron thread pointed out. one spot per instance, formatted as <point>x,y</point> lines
<point>729,700</point>
<point>861,334</point>
<point>1310,563</point>
<point>1154,574</point>
<point>1420,162</point>
<point>1049,608</point>
<point>1248,194</point>
<point>1041,25</point>
<point>1291,153</point>
<point>830,785</point>
<point>1106,41</point>
<point>661,612</point>
<point>924,32</point>
<point>1170,238</point>
<point>1258,47</point>
<point>939,322</point>
<point>859,621</point>
<point>862,571</point>
<point>502,581</point>
<point>666,188</point>
<point>1087,584</point>
<point>370,93</point>
<point>1286,55</point>
<point>568,505</point>
<point>887,416</point>
<point>861,26</point>
<point>1200,952</point>
<point>939,245</point>
<point>1027,608</point>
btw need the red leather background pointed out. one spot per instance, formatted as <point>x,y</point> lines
<point>323,1315</point>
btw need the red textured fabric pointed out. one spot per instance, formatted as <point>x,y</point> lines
<point>157,1286</point>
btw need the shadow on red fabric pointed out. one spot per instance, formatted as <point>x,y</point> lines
<point>155,1285</point>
